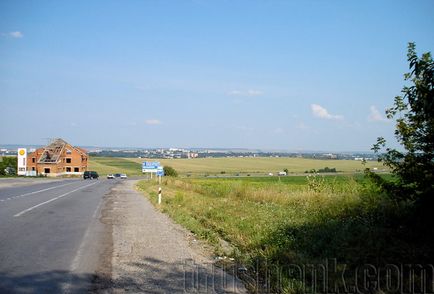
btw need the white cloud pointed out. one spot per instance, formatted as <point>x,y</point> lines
<point>375,115</point>
<point>321,112</point>
<point>246,93</point>
<point>153,122</point>
<point>16,34</point>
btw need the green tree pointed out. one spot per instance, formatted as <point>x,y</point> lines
<point>414,114</point>
<point>8,162</point>
<point>170,171</point>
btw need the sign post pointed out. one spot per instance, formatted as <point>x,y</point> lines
<point>154,167</point>
<point>160,173</point>
<point>22,161</point>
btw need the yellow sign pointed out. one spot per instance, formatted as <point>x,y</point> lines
<point>22,152</point>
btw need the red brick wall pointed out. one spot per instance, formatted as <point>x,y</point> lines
<point>73,159</point>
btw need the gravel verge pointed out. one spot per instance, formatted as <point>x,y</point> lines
<point>151,254</point>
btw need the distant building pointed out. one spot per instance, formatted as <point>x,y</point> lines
<point>56,159</point>
<point>192,155</point>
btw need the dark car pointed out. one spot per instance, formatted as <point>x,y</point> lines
<point>90,175</point>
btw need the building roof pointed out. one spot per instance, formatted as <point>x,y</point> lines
<point>52,152</point>
<point>83,151</point>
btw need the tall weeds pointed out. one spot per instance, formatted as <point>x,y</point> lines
<point>283,223</point>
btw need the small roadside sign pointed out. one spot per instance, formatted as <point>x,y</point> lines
<point>160,171</point>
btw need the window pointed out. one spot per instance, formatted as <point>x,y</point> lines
<point>33,168</point>
<point>46,170</point>
<point>76,169</point>
<point>68,160</point>
<point>68,169</point>
<point>33,160</point>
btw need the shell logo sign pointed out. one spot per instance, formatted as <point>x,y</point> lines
<point>22,161</point>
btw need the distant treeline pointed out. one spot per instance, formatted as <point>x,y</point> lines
<point>322,170</point>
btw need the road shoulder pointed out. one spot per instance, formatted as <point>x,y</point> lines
<point>151,253</point>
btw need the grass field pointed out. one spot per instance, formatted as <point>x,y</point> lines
<point>258,165</point>
<point>110,165</point>
<point>297,221</point>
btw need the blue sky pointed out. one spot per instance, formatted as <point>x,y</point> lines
<point>294,75</point>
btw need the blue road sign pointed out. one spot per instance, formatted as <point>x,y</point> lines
<point>150,166</point>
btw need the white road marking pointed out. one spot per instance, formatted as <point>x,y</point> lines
<point>35,192</point>
<point>51,200</point>
<point>84,244</point>
<point>78,255</point>
<point>96,212</point>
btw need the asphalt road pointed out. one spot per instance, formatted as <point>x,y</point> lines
<point>50,235</point>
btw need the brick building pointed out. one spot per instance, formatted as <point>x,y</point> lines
<point>56,159</point>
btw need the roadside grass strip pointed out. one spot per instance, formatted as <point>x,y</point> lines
<point>303,221</point>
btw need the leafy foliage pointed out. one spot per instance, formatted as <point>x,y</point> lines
<point>8,165</point>
<point>414,113</point>
<point>327,170</point>
<point>322,170</point>
<point>170,171</point>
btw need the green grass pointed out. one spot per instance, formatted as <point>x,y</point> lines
<point>110,165</point>
<point>246,197</point>
<point>294,221</point>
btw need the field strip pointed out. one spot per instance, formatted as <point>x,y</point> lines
<point>35,192</point>
<point>51,200</point>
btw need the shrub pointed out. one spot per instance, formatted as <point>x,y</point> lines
<point>8,165</point>
<point>170,171</point>
<point>327,170</point>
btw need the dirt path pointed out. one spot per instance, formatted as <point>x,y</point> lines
<point>151,254</point>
